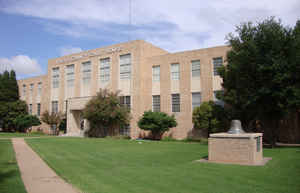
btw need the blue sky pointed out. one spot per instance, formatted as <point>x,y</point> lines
<point>33,31</point>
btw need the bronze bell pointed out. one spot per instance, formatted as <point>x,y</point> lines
<point>235,127</point>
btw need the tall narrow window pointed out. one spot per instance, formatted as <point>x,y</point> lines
<point>156,73</point>
<point>104,70</point>
<point>30,109</point>
<point>38,109</point>
<point>125,66</point>
<point>39,89</point>
<point>175,73</point>
<point>86,72</point>
<point>217,63</point>
<point>156,103</point>
<point>24,90</point>
<point>175,102</point>
<point>70,78</point>
<point>125,100</point>
<point>55,77</point>
<point>196,99</point>
<point>216,100</point>
<point>54,107</point>
<point>31,90</point>
<point>196,68</point>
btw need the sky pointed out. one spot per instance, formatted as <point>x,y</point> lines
<point>33,31</point>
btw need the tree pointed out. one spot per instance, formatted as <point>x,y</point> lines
<point>23,122</point>
<point>9,111</point>
<point>105,114</point>
<point>53,120</point>
<point>260,79</point>
<point>157,123</point>
<point>209,118</point>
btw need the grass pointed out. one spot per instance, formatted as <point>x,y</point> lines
<point>10,179</point>
<point>16,134</point>
<point>121,166</point>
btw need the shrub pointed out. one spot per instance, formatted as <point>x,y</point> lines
<point>23,122</point>
<point>157,123</point>
<point>53,120</point>
<point>210,118</point>
<point>105,114</point>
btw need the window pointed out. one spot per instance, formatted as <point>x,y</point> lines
<point>196,68</point>
<point>39,89</point>
<point>217,63</point>
<point>55,77</point>
<point>216,100</point>
<point>54,106</point>
<point>125,100</point>
<point>70,77</point>
<point>86,72</point>
<point>38,109</point>
<point>175,73</point>
<point>196,99</point>
<point>30,109</point>
<point>125,66</point>
<point>24,90</point>
<point>104,69</point>
<point>31,90</point>
<point>125,131</point>
<point>156,73</point>
<point>175,103</point>
<point>156,103</point>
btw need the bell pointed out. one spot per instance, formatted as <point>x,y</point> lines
<point>235,127</point>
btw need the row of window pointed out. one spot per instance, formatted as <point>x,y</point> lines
<point>195,69</point>
<point>31,87</point>
<point>38,110</point>
<point>126,101</point>
<point>125,71</point>
<point>86,71</point>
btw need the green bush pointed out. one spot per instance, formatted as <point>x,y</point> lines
<point>210,118</point>
<point>23,122</point>
<point>106,114</point>
<point>157,123</point>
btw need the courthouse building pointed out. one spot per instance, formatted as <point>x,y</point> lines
<point>148,78</point>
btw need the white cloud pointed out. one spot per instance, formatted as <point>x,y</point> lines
<point>174,25</point>
<point>22,64</point>
<point>69,50</point>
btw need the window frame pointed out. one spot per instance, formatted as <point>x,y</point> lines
<point>175,74</point>
<point>104,69</point>
<point>195,68</point>
<point>156,107</point>
<point>156,73</point>
<point>125,66</point>
<point>175,107</point>
<point>217,64</point>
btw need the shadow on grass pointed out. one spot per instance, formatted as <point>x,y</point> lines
<point>9,174</point>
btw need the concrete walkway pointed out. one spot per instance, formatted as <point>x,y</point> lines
<point>36,175</point>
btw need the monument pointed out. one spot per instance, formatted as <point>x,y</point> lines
<point>236,146</point>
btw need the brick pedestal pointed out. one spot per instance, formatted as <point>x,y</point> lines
<point>243,148</point>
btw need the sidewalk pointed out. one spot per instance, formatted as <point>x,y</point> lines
<point>35,173</point>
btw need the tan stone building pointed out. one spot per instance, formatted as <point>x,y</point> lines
<point>148,77</point>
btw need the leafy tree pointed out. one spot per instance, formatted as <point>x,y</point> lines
<point>210,118</point>
<point>53,120</point>
<point>105,114</point>
<point>262,74</point>
<point>23,122</point>
<point>157,123</point>
<point>10,111</point>
<point>9,91</point>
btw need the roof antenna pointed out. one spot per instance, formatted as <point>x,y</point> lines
<point>130,22</point>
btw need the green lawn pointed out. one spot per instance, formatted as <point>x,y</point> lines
<point>10,179</point>
<point>11,135</point>
<point>121,166</point>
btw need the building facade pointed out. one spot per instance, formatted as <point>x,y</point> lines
<point>148,78</point>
